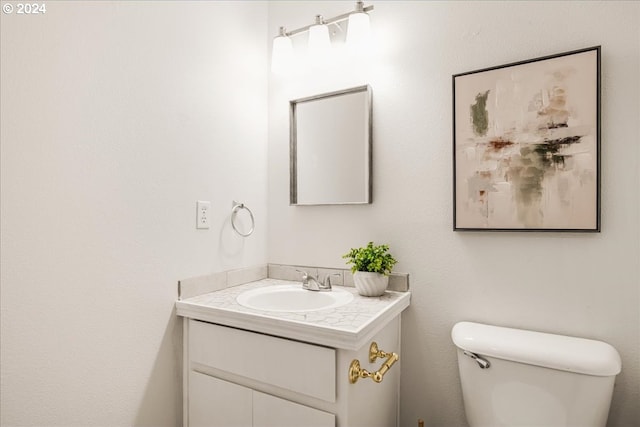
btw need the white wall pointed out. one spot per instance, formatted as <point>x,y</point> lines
<point>577,284</point>
<point>116,118</point>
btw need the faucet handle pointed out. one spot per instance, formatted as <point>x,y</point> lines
<point>305,276</point>
<point>327,279</point>
<point>309,282</point>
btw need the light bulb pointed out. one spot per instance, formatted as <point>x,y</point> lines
<point>358,29</point>
<point>319,41</point>
<point>282,53</point>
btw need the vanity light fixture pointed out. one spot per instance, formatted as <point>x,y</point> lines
<point>358,29</point>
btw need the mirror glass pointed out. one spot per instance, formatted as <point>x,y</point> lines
<point>330,148</point>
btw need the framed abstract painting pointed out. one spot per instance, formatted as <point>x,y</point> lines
<point>526,145</point>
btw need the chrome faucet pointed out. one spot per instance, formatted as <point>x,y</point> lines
<point>310,283</point>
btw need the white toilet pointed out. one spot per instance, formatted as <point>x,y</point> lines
<point>512,377</point>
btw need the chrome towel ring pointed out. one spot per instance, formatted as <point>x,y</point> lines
<point>236,208</point>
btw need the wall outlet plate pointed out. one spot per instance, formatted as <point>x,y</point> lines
<point>203,214</point>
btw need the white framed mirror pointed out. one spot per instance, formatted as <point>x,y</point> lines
<point>330,148</point>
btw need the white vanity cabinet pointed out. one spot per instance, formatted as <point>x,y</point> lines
<point>235,377</point>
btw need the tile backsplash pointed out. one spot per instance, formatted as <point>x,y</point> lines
<point>194,286</point>
<point>397,281</point>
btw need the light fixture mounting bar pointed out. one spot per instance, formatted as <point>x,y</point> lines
<point>335,19</point>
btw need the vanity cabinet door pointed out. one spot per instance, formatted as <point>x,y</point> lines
<point>269,411</point>
<point>218,403</point>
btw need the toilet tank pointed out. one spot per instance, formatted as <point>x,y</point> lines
<point>533,378</point>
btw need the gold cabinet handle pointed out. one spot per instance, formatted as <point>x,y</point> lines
<point>356,372</point>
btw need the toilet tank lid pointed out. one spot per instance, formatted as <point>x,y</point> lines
<point>561,352</point>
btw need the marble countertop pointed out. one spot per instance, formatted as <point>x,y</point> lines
<point>349,326</point>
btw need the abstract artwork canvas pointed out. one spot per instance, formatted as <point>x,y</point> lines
<point>526,142</point>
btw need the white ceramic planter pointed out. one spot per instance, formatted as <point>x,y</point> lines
<point>370,284</point>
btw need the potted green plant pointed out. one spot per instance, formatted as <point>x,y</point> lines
<point>371,266</point>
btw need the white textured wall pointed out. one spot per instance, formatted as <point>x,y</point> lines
<point>577,284</point>
<point>116,118</point>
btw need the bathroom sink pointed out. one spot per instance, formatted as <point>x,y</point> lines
<point>292,298</point>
